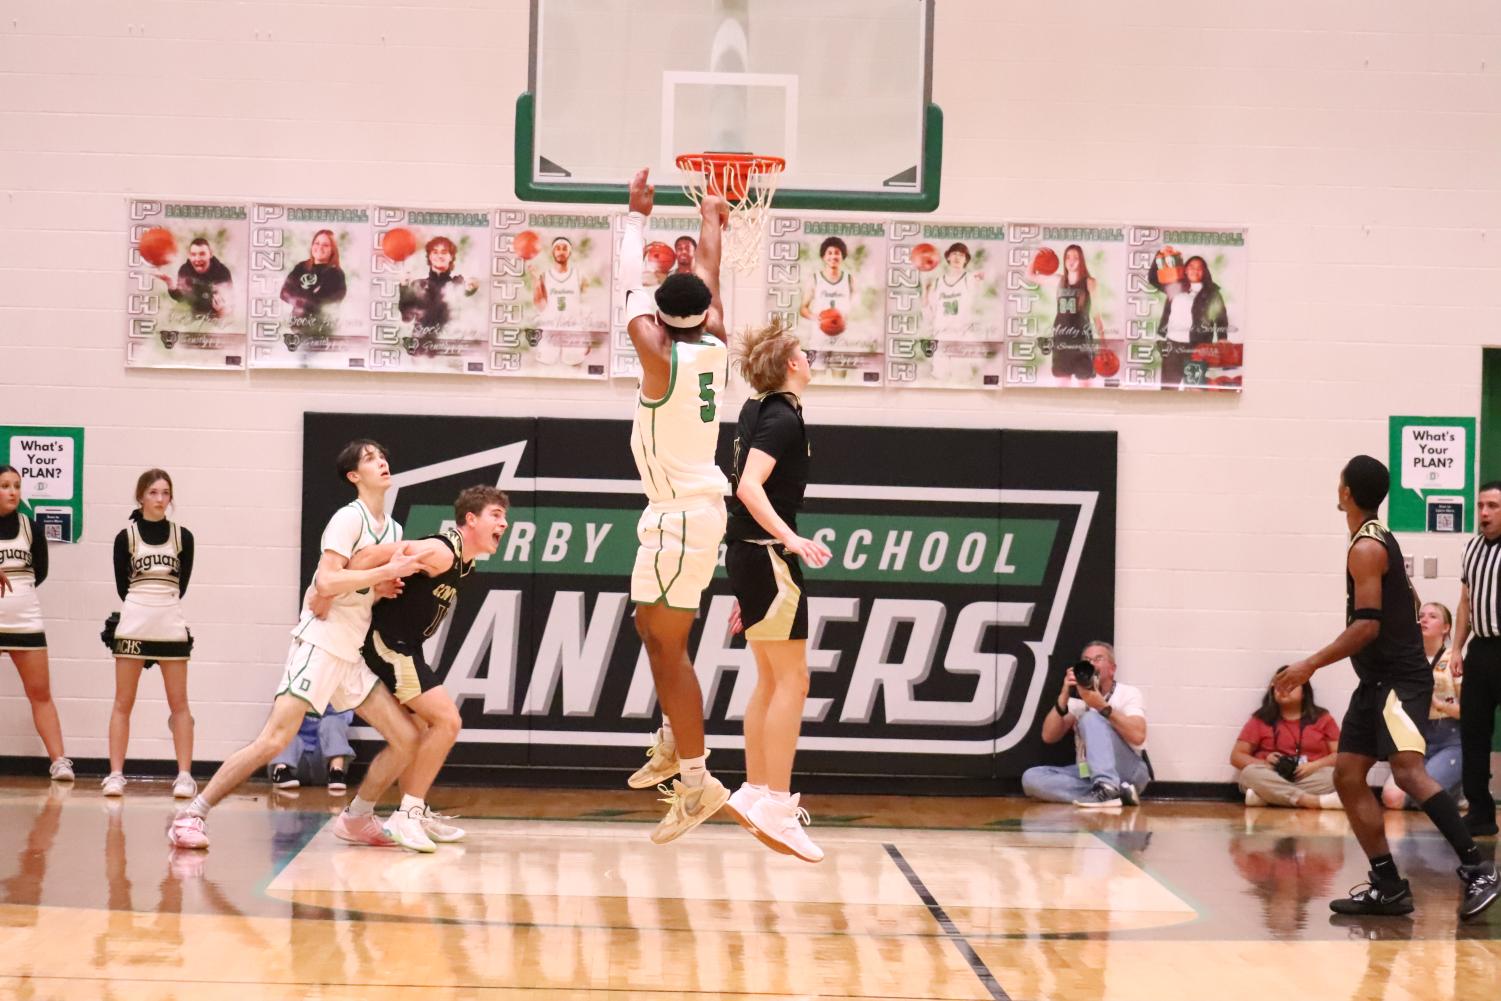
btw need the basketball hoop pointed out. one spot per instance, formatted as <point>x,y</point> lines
<point>748,182</point>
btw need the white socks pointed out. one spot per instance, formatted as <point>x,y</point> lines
<point>407,802</point>
<point>359,808</point>
<point>668,740</point>
<point>692,771</point>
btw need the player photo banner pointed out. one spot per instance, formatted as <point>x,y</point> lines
<point>671,248</point>
<point>1065,291</point>
<point>826,280</point>
<point>186,300</point>
<point>430,302</point>
<point>310,287</point>
<point>550,291</point>
<point>1185,302</point>
<point>965,579</point>
<point>945,309</point>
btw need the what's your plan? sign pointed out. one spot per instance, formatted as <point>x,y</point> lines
<point>50,461</point>
<point>1432,462</point>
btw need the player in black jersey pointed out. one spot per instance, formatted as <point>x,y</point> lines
<point>1384,644</point>
<point>400,625</point>
<point>764,557</point>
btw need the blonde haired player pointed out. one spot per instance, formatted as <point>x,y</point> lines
<point>678,333</point>
<point>324,666</point>
<point>764,558</point>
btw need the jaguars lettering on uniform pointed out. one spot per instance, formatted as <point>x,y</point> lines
<point>23,560</point>
<point>153,564</point>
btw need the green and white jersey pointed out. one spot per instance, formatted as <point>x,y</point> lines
<point>341,633</point>
<point>673,438</point>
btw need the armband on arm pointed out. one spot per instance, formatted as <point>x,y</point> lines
<point>1374,614</point>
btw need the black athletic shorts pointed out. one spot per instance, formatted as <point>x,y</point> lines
<point>406,675</point>
<point>768,583</point>
<point>1387,716</point>
<point>1073,354</point>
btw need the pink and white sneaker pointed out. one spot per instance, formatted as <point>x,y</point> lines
<point>366,830</point>
<point>187,831</point>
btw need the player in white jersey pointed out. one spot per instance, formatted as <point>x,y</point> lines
<point>153,564</point>
<point>832,288</point>
<point>951,297</point>
<point>23,567</point>
<point>559,297</point>
<point>324,666</point>
<point>678,333</point>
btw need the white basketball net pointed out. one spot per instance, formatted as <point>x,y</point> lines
<point>758,177</point>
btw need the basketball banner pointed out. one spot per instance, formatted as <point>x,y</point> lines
<point>430,300</point>
<point>1185,303</point>
<point>1065,288</point>
<point>965,579</point>
<point>826,280</point>
<point>671,248</point>
<point>550,281</point>
<point>310,270</point>
<point>946,307</point>
<point>185,303</point>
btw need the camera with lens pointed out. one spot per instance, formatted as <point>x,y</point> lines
<point>1084,675</point>
<point>1286,766</point>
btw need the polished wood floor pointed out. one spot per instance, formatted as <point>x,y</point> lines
<point>559,896</point>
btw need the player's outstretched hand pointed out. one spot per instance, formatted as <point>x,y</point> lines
<point>736,623</point>
<point>642,192</point>
<point>810,551</point>
<point>319,605</point>
<point>1290,679</point>
<point>715,209</point>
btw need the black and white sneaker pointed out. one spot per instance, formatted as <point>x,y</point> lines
<point>1369,898</point>
<point>283,777</point>
<point>1481,888</point>
<point>1130,796</point>
<point>1101,797</point>
<point>336,780</point>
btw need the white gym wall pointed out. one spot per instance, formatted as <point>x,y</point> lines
<point>1359,141</point>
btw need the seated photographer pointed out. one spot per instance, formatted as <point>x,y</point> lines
<point>1285,753</point>
<point>1109,724</point>
<point>317,753</point>
<point>1443,760</point>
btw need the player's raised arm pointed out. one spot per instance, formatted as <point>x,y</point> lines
<point>646,334</point>
<point>716,215</point>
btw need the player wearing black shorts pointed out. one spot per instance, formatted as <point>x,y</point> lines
<point>764,556</point>
<point>399,626</point>
<point>1383,642</point>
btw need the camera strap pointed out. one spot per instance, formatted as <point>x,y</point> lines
<point>1297,748</point>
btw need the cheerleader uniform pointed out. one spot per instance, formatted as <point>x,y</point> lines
<point>153,561</point>
<point>23,560</point>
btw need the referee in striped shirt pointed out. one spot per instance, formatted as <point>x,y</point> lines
<point>1480,614</point>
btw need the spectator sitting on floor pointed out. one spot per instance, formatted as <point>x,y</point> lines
<point>1285,753</point>
<point>317,753</point>
<point>1109,724</point>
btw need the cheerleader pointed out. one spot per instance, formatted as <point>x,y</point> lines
<point>153,561</point>
<point>23,567</point>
